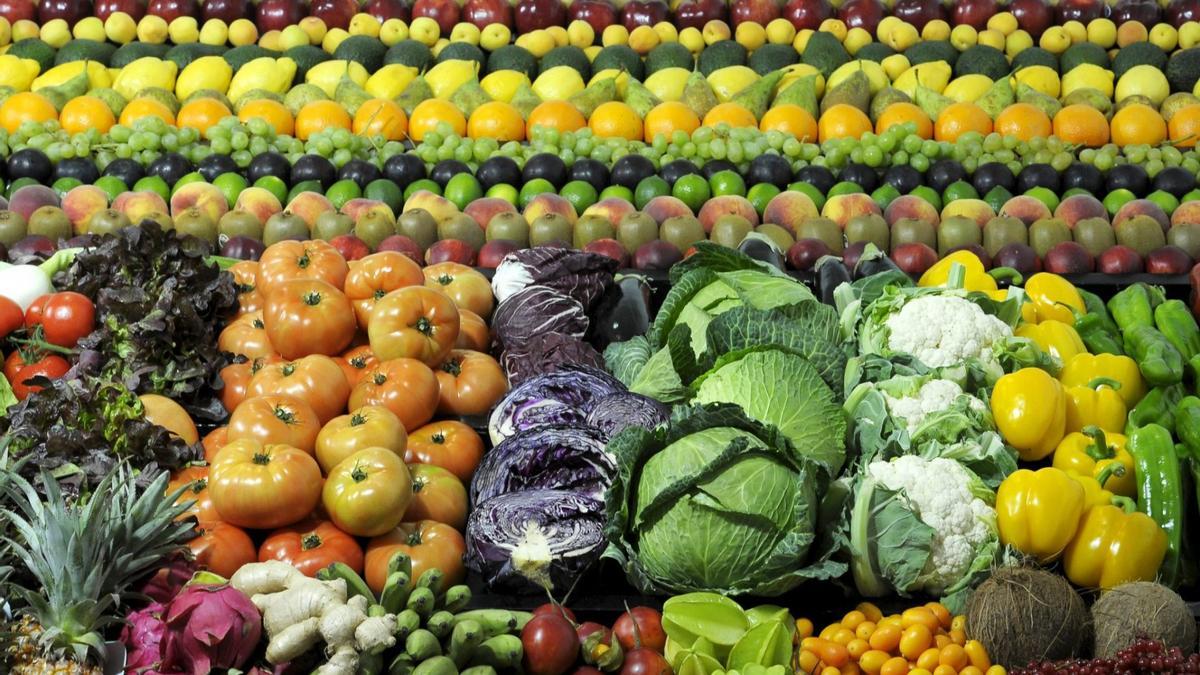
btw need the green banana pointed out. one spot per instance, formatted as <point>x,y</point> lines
<point>376,611</point>
<point>457,598</point>
<point>400,562</point>
<point>421,644</point>
<point>440,623</point>
<point>407,621</point>
<point>500,652</point>
<point>466,637</point>
<point>479,670</point>
<point>370,664</point>
<point>421,601</point>
<point>354,583</point>
<point>431,579</point>
<point>402,665</point>
<point>439,665</point>
<point>395,592</point>
<point>495,621</point>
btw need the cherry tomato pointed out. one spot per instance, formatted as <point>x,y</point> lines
<point>51,367</point>
<point>312,545</point>
<point>67,317</point>
<point>33,313</point>
<point>640,627</point>
<point>554,608</point>
<point>11,317</point>
<point>551,645</point>
<point>645,661</point>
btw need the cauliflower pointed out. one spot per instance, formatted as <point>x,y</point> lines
<point>933,396</point>
<point>944,330</point>
<point>939,492</point>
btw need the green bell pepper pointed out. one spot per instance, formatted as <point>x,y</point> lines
<point>1134,306</point>
<point>1160,362</point>
<point>1096,328</point>
<point>1156,407</point>
<point>1175,321</point>
<point>1160,491</point>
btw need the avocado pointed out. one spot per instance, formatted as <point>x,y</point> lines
<point>620,57</point>
<point>240,56</point>
<point>367,51</point>
<point>36,49</point>
<point>463,51</point>
<point>182,55</point>
<point>511,57</point>
<point>1083,52</point>
<point>1035,56</point>
<point>875,51</point>
<point>674,55</point>
<point>85,50</point>
<point>771,57</point>
<point>982,60</point>
<point>409,53</point>
<point>306,56</point>
<point>567,55</point>
<point>721,55</point>
<point>1138,54</point>
<point>127,54</point>
<point>931,50</point>
<point>825,53</point>
<point>1184,69</point>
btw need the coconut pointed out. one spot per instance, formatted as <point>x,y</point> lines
<point>1142,609</point>
<point>1024,615</point>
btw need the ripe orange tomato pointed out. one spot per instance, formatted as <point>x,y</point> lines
<point>468,288</point>
<point>414,322</point>
<point>286,260</point>
<point>222,548</point>
<point>407,387</point>
<point>428,544</point>
<point>247,336</point>
<point>469,383</point>
<point>275,419</point>
<point>355,362</point>
<point>214,441</point>
<point>450,444</point>
<point>264,486</point>
<point>193,480</point>
<point>245,276</point>
<point>473,332</point>
<point>438,495</point>
<point>308,316</point>
<point>366,493</point>
<point>377,275</point>
<point>310,546</point>
<point>316,380</point>
<point>370,426</point>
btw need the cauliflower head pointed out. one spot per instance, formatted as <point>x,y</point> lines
<point>933,396</point>
<point>944,330</point>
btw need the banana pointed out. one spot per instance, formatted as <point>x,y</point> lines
<point>499,652</point>
<point>431,579</point>
<point>457,598</point>
<point>370,664</point>
<point>494,621</point>
<point>479,670</point>
<point>406,622</point>
<point>439,665</point>
<point>395,592</point>
<point>440,624</point>
<point>401,665</point>
<point>421,644</point>
<point>466,637</point>
<point>400,562</point>
<point>354,583</point>
<point>421,601</point>
<point>377,610</point>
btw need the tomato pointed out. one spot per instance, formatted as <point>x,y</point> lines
<point>450,444</point>
<point>468,288</point>
<point>645,661</point>
<point>11,317</point>
<point>367,427</point>
<point>551,645</point>
<point>438,495</point>
<point>247,336</point>
<point>258,486</point>
<point>235,380</point>
<point>194,482</point>
<point>430,545</point>
<point>308,316</point>
<point>316,379</point>
<point>366,493</point>
<point>473,332</point>
<point>278,419</point>
<point>245,277</point>
<point>214,441</point>
<point>640,627</point>
<point>288,260</point>
<point>357,361</point>
<point>66,318</point>
<point>33,313</point>
<point>469,383</point>
<point>407,387</point>
<point>557,610</point>
<point>222,548</point>
<point>171,416</point>
<point>414,322</point>
<point>377,275</point>
<point>50,366</point>
<point>13,364</point>
<point>310,546</point>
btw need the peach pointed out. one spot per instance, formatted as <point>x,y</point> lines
<point>789,209</point>
<point>1078,207</point>
<point>971,209</point>
<point>613,208</point>
<point>206,197</point>
<point>841,208</point>
<point>359,207</point>
<point>81,202</point>
<point>139,205</point>
<point>1142,207</point>
<point>546,203</point>
<point>439,207</point>
<point>665,206</point>
<point>485,208</point>
<point>30,198</point>
<point>260,202</point>
<point>1186,213</point>
<point>908,206</point>
<point>726,205</point>
<point>1026,209</point>
<point>308,205</point>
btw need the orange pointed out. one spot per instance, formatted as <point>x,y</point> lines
<point>498,120</point>
<point>320,115</point>
<point>1024,121</point>
<point>201,113</point>
<point>733,114</point>
<point>558,115</point>
<point>1184,126</point>
<point>273,112</point>
<point>616,120</point>
<point>24,107</point>
<point>146,107</point>
<point>667,118</point>
<point>381,116</point>
<point>843,121</point>
<point>86,112</point>
<point>1138,124</point>
<point>428,113</point>
<point>902,113</point>
<point>1081,124</point>
<point>959,118</point>
<point>791,119</point>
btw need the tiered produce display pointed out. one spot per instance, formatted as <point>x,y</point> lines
<point>599,337</point>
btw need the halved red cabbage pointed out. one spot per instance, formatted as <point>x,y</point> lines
<point>626,409</point>
<point>534,311</point>
<point>565,396</point>
<point>557,457</point>
<point>546,353</point>
<point>583,276</point>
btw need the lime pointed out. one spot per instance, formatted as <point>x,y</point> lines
<point>274,185</point>
<point>884,194</point>
<point>303,186</point>
<point>760,195</point>
<point>534,188</point>
<point>817,197</point>
<point>1075,191</point>
<point>845,188</point>
<point>112,185</point>
<point>64,184</point>
<point>959,189</point>
<point>193,177</point>
<point>928,194</point>
<point>727,183</point>
<point>1116,199</point>
<point>423,184</point>
<point>18,184</point>
<point>618,191</point>
<point>504,191</point>
<point>462,189</point>
<point>996,197</point>
<point>1165,200</point>
<point>580,193</point>
<point>153,184</point>
<point>1192,196</point>
<point>1045,196</point>
<point>692,190</point>
<point>386,191</point>
<point>232,185</point>
<point>648,188</point>
<point>341,192</point>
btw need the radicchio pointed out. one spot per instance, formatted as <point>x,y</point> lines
<point>546,458</point>
<point>537,310</point>
<point>565,396</point>
<point>626,409</point>
<point>210,627</point>
<point>583,276</point>
<point>547,353</point>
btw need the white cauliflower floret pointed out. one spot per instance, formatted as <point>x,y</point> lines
<point>938,492</point>
<point>944,330</point>
<point>933,396</point>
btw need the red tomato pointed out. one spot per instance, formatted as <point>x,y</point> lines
<point>263,486</point>
<point>450,444</point>
<point>213,441</point>
<point>11,317</point>
<point>67,317</point>
<point>437,495</point>
<point>640,627</point>
<point>194,482</point>
<point>468,288</point>
<point>551,645</point>
<point>310,546</point>
<point>316,380</point>
<point>366,493</point>
<point>645,661</point>
<point>50,366</point>
<point>33,313</point>
<point>247,336</point>
<point>469,383</point>
<point>377,275</point>
<point>245,276</point>
<point>370,426</point>
<point>407,387</point>
<point>357,361</point>
<point>308,316</point>
<point>428,544</point>
<point>235,380</point>
<point>222,548</point>
<point>473,332</point>
<point>288,260</point>
<point>414,322</point>
<point>276,419</point>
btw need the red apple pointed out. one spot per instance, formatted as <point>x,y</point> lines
<point>1145,11</point>
<point>402,244</point>
<point>450,250</point>
<point>1180,12</point>
<point>1119,260</point>
<point>974,13</point>
<point>865,14</point>
<point>611,248</point>
<point>1069,257</point>
<point>225,10</point>
<point>278,14</point>
<point>15,10</point>
<point>484,12</point>
<point>1032,15</point>
<point>491,253</point>
<point>643,13</point>
<point>170,10</point>
<point>106,8</point>
<point>335,13</point>
<point>534,14</point>
<point>1078,10</point>
<point>350,246</point>
<point>444,12</point>
<point>696,13</point>
<point>70,11</point>
<point>919,12</point>
<point>600,14</point>
<point>388,9</point>
<point>761,12</point>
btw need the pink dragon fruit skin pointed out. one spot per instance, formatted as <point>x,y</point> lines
<point>171,578</point>
<point>210,627</point>
<point>142,637</point>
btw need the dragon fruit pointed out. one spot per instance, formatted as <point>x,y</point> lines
<point>210,627</point>
<point>142,637</point>
<point>170,578</point>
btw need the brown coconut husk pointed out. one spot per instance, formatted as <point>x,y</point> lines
<point>1142,609</point>
<point>1023,615</point>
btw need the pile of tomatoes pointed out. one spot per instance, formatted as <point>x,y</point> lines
<point>555,643</point>
<point>43,337</point>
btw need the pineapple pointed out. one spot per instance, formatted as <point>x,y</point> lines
<point>83,556</point>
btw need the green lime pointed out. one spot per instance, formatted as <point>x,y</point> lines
<point>341,192</point>
<point>1075,191</point>
<point>386,191</point>
<point>534,188</point>
<point>462,189</point>
<point>997,197</point>
<point>274,185</point>
<point>928,194</point>
<point>760,195</point>
<point>64,184</point>
<point>817,197</point>
<point>504,191</point>
<point>618,191</point>
<point>884,194</point>
<point>1165,200</point>
<point>153,184</point>
<point>1045,196</point>
<point>692,190</point>
<point>1116,199</point>
<point>112,186</point>
<point>423,184</point>
<point>303,186</point>
<point>727,183</point>
<point>845,188</point>
<point>193,177</point>
<point>18,184</point>
<point>580,193</point>
<point>232,185</point>
<point>959,189</point>
<point>648,188</point>
<point>1192,196</point>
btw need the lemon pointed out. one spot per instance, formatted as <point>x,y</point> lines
<point>184,30</point>
<point>214,32</point>
<point>621,75</point>
<point>364,24</point>
<point>1145,81</point>
<point>875,73</point>
<point>895,65</point>
<point>152,29</point>
<point>57,33</point>
<point>206,72</point>
<point>581,34</point>
<point>1102,32</point>
<point>1004,22</point>
<point>750,34</point>
<point>1042,78</point>
<point>390,80</point>
<point>967,88</point>
<point>556,84</point>
<point>933,75</point>
<point>781,32</point>
<point>89,28</point>
<point>796,71</point>
<point>501,85</point>
<point>146,72</point>
<point>667,84</point>
<point>1088,76</point>
<point>393,31</point>
<point>271,40</point>
<point>494,36</point>
<point>728,81</point>
<point>120,28</point>
<point>963,37</point>
<point>16,72</point>
<point>327,74</point>
<point>446,77</point>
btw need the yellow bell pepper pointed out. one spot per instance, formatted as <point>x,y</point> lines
<point>1030,409</point>
<point>1115,545</point>
<point>1038,512</point>
<point>1054,337</point>
<point>1053,297</point>
<point>1097,403</point>
<point>1093,494</point>
<point>1091,453</point>
<point>1083,369</point>
<point>976,277</point>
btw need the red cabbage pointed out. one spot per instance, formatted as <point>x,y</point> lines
<point>534,311</point>
<point>547,353</point>
<point>565,396</point>
<point>627,409</point>
<point>546,458</point>
<point>583,276</point>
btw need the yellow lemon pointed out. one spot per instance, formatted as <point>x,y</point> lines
<point>1088,76</point>
<point>1042,78</point>
<point>501,85</point>
<point>728,81</point>
<point>1145,81</point>
<point>967,88</point>
<point>558,83</point>
<point>667,84</point>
